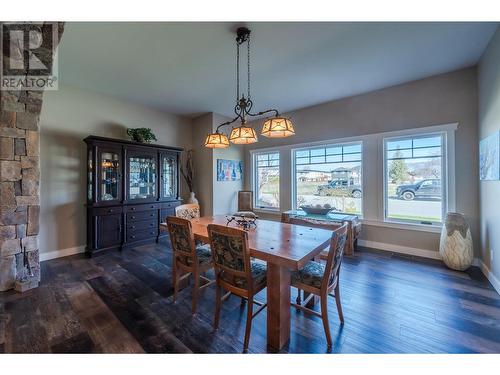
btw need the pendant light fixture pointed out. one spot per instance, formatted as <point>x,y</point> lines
<point>276,126</point>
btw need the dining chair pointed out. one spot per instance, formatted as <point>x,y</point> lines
<point>245,201</point>
<point>188,211</point>
<point>323,280</point>
<point>188,258</point>
<point>236,272</point>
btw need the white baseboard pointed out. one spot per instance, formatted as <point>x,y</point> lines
<point>489,275</point>
<point>400,249</point>
<point>62,253</point>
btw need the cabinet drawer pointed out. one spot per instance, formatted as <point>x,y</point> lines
<point>106,211</point>
<point>143,215</point>
<point>142,225</point>
<point>141,235</point>
<point>141,207</point>
<point>170,204</point>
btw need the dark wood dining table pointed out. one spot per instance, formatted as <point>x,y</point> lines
<point>285,247</point>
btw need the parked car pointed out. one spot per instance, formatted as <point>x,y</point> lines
<point>430,188</point>
<point>340,186</point>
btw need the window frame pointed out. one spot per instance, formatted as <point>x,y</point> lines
<point>358,141</point>
<point>446,196</point>
<point>255,179</point>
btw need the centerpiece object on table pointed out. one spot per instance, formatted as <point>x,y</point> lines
<point>317,209</point>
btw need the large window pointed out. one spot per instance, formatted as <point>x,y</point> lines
<point>329,176</point>
<point>414,178</point>
<point>267,180</point>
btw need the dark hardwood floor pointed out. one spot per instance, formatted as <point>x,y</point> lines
<point>122,303</point>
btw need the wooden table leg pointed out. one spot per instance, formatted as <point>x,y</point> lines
<point>278,306</point>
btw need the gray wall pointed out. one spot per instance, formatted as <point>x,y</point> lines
<point>68,116</point>
<point>489,122</point>
<point>442,99</point>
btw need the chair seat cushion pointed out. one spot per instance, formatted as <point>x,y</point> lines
<point>311,274</point>
<point>203,254</point>
<point>259,275</point>
<point>259,272</point>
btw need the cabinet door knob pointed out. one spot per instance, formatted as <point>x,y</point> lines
<point>110,210</point>
<point>133,217</point>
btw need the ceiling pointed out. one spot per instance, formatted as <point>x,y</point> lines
<point>189,68</point>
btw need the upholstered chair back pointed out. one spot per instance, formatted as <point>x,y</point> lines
<point>245,201</point>
<point>231,254</point>
<point>182,239</point>
<point>188,211</point>
<point>335,254</point>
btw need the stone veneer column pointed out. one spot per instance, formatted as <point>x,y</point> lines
<point>20,179</point>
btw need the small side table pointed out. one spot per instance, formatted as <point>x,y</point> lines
<point>354,224</point>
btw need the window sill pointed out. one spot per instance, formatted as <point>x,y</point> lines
<point>405,226</point>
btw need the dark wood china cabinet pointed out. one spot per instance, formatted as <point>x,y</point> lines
<point>131,188</point>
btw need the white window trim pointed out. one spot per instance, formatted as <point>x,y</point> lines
<point>378,220</point>
<point>447,167</point>
<point>444,179</point>
<point>294,150</point>
<point>253,180</point>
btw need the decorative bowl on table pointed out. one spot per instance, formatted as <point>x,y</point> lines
<point>316,210</point>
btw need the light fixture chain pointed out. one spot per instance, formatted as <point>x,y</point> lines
<point>248,66</point>
<point>237,72</point>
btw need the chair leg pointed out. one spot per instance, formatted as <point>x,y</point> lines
<point>218,302</point>
<point>248,324</point>
<point>196,290</point>
<point>324,317</point>
<point>174,275</point>
<point>339,304</point>
<point>298,300</point>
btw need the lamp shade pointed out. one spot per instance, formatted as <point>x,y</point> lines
<point>277,127</point>
<point>216,140</point>
<point>243,135</point>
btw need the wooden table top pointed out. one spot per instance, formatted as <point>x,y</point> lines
<point>283,244</point>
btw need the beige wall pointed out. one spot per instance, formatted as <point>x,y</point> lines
<point>489,123</point>
<point>225,199</point>
<point>215,197</point>
<point>68,116</point>
<point>442,99</point>
<point>203,163</point>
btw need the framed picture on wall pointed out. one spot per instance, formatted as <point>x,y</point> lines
<point>229,170</point>
<point>489,157</point>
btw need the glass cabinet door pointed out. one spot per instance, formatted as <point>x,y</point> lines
<point>142,176</point>
<point>90,172</point>
<point>109,175</point>
<point>168,176</point>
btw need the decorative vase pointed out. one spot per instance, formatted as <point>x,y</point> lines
<point>192,199</point>
<point>455,246</point>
